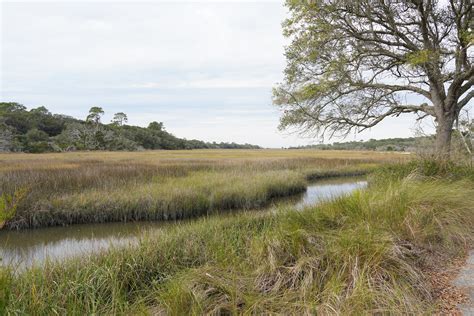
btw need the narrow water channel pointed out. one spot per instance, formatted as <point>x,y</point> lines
<point>27,247</point>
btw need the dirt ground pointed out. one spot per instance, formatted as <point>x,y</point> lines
<point>446,290</point>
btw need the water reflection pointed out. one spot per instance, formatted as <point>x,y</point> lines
<point>27,247</point>
<point>327,189</point>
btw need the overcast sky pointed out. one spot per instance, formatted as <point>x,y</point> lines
<point>205,69</point>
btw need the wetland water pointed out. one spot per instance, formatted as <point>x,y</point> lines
<point>26,247</point>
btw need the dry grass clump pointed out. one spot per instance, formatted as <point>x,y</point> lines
<point>359,254</point>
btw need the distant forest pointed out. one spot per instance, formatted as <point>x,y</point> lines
<point>388,144</point>
<point>38,130</point>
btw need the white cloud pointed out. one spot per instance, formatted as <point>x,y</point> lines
<point>209,83</point>
<point>101,36</point>
<point>205,69</point>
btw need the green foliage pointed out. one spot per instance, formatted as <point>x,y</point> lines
<point>38,130</point>
<point>419,58</point>
<point>348,66</point>
<point>388,144</point>
<point>9,205</point>
<point>119,119</point>
<point>36,135</point>
<point>11,107</point>
<point>156,126</point>
<point>5,289</point>
<point>6,137</point>
<point>467,36</point>
<point>95,113</point>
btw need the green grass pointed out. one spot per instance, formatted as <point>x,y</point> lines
<point>359,254</point>
<point>427,169</point>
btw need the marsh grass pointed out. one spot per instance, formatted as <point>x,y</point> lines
<point>66,189</point>
<point>423,168</point>
<point>200,193</point>
<point>358,254</point>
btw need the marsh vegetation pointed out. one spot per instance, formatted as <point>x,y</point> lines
<point>349,67</point>
<point>27,247</point>
<point>356,254</point>
<point>361,253</point>
<point>65,189</point>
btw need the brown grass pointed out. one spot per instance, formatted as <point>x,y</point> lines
<point>124,184</point>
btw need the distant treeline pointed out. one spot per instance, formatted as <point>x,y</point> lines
<point>38,130</point>
<point>388,144</point>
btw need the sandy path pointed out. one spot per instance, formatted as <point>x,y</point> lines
<point>465,281</point>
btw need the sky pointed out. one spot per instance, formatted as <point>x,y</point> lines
<point>204,69</point>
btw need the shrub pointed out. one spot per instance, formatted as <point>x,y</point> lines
<point>9,204</point>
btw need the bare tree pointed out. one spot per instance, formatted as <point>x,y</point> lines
<point>352,64</point>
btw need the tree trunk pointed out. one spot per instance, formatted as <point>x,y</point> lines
<point>444,130</point>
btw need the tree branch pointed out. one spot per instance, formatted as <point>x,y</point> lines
<point>465,100</point>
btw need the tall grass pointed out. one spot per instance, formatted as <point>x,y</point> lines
<point>359,254</point>
<point>66,189</point>
<point>200,193</point>
<point>425,168</point>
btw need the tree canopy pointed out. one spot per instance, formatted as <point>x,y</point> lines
<point>351,64</point>
<point>120,118</point>
<point>95,113</point>
<point>38,130</point>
